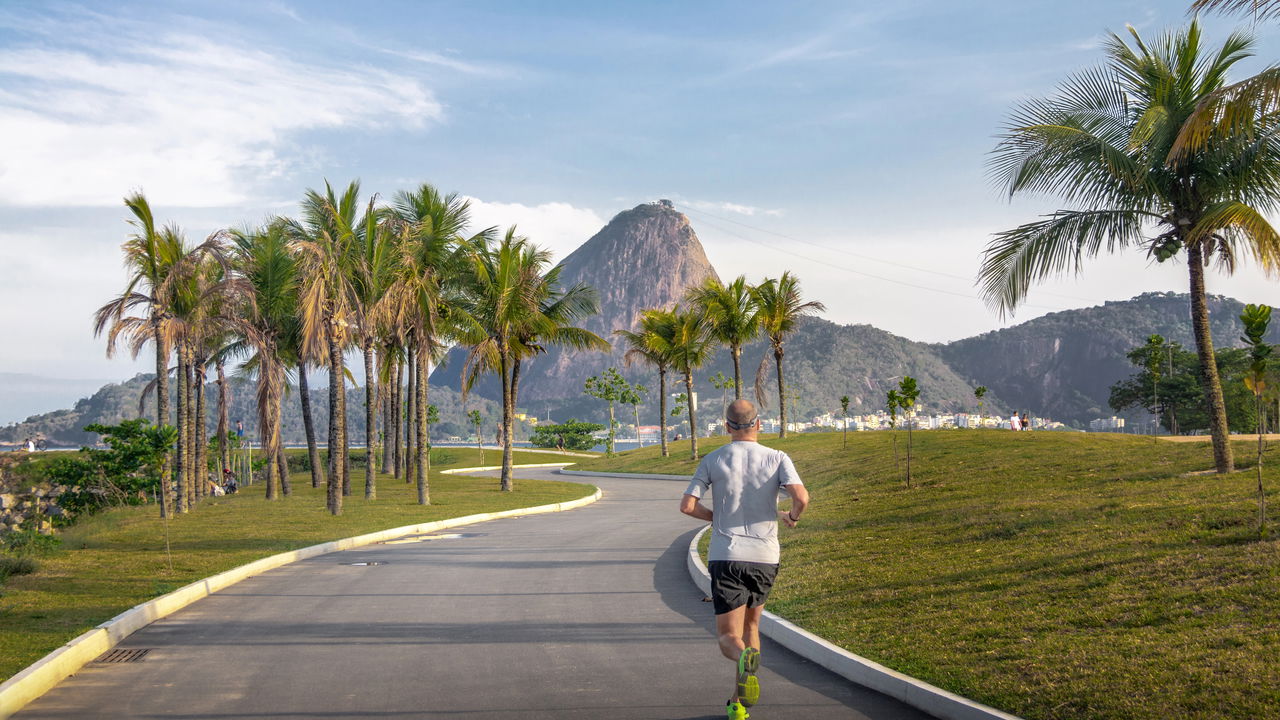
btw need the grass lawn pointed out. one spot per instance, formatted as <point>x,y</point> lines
<point>1051,575</point>
<point>116,559</point>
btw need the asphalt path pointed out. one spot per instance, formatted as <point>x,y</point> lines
<point>582,614</point>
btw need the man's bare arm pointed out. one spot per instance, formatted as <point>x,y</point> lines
<point>690,506</point>
<point>799,501</point>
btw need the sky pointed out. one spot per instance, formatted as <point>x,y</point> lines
<point>845,142</point>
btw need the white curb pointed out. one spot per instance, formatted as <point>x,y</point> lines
<point>642,476</point>
<point>462,471</point>
<point>917,693</point>
<point>44,674</point>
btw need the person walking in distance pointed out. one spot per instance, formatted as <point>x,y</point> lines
<point>746,480</point>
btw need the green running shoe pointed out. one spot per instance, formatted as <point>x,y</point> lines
<point>736,711</point>
<point>748,684</point>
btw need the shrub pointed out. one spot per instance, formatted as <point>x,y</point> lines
<point>22,565</point>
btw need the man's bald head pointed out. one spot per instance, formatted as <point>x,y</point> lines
<point>741,413</point>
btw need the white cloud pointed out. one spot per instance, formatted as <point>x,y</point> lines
<point>450,63</point>
<point>192,120</point>
<point>556,226</point>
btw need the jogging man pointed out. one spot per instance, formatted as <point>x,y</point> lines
<point>746,479</point>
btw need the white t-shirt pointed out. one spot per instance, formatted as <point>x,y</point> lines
<point>746,479</point>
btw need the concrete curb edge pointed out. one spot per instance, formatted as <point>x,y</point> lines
<point>44,674</point>
<point>919,694</point>
<point>482,468</point>
<point>643,476</point>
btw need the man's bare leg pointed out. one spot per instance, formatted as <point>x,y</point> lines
<point>736,630</point>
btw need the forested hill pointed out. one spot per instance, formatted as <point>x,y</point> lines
<point>824,361</point>
<point>119,401</point>
<point>1064,364</point>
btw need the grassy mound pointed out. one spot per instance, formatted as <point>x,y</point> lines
<point>115,560</point>
<point>1052,575</point>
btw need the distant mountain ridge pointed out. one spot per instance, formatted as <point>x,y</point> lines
<point>1063,364</point>
<point>1060,365</point>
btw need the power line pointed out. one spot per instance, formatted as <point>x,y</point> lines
<point>866,257</point>
<point>829,264</point>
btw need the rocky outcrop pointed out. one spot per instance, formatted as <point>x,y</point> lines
<point>646,257</point>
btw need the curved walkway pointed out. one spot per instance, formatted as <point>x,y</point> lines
<point>585,614</point>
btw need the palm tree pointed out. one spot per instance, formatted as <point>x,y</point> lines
<point>732,317</point>
<point>325,242</point>
<point>149,256</point>
<point>780,308</point>
<point>267,317</point>
<point>516,308</point>
<point>1257,9</point>
<point>1107,144</point>
<point>652,343</point>
<point>691,347</point>
<point>371,276</point>
<point>421,300</point>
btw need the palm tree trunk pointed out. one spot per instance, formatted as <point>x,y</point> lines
<point>693,419</point>
<point>308,425</point>
<point>201,433</point>
<point>782,395</point>
<point>189,391</point>
<point>504,366</point>
<point>662,407</point>
<point>409,417</point>
<point>388,404</point>
<point>397,413</point>
<point>162,417</point>
<point>180,458</point>
<point>370,420</point>
<point>1209,379</point>
<point>337,388</point>
<point>420,429</point>
<point>736,351</point>
<point>509,432</point>
<point>286,488</point>
<point>224,452</point>
<point>267,426</point>
<point>345,442</point>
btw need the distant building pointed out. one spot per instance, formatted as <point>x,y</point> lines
<point>1111,424</point>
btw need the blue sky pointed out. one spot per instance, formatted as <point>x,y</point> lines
<point>843,141</point>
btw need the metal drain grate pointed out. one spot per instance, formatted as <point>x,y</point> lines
<point>120,655</point>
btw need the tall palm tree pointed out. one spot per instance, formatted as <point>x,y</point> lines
<point>780,308</point>
<point>732,317</point>
<point>267,317</point>
<point>149,257</point>
<point>188,294</point>
<point>371,275</point>
<point>652,343</point>
<point>421,302</point>
<point>1106,144</point>
<point>325,241</point>
<point>562,308</point>
<point>516,306</point>
<point>691,346</point>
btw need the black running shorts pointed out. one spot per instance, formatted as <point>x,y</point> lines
<point>734,584</point>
